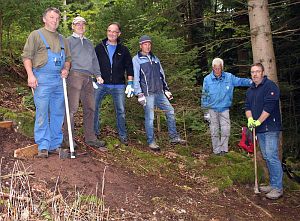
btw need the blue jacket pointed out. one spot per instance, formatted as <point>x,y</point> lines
<point>217,93</point>
<point>149,76</point>
<point>264,97</point>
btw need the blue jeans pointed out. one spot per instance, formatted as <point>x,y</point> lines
<point>118,95</point>
<point>268,143</point>
<point>162,103</point>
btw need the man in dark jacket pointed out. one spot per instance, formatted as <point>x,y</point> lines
<point>152,90</point>
<point>115,63</point>
<point>263,113</point>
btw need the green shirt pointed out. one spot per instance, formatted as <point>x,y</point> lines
<point>36,51</point>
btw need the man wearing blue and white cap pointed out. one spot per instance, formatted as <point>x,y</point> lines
<point>80,81</point>
<point>152,90</point>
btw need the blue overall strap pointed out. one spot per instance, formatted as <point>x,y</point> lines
<point>44,40</point>
<point>62,46</point>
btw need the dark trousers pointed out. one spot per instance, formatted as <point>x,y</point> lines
<point>80,88</point>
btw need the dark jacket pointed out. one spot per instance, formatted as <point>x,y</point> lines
<point>149,76</point>
<point>122,63</point>
<point>264,97</point>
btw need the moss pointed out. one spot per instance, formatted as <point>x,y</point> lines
<point>231,169</point>
<point>24,121</point>
<point>290,184</point>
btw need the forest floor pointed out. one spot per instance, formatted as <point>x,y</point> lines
<point>133,196</point>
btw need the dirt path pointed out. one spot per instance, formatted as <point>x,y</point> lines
<point>134,197</point>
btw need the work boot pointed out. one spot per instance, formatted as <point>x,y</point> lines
<point>42,153</point>
<point>274,194</point>
<point>265,189</point>
<point>177,140</point>
<point>54,151</point>
<point>153,146</point>
<point>96,143</point>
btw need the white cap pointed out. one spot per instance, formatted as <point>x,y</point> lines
<point>78,19</point>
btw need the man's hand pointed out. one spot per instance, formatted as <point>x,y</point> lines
<point>206,116</point>
<point>250,122</point>
<point>169,95</point>
<point>32,81</point>
<point>100,80</point>
<point>64,73</point>
<point>142,99</point>
<point>129,89</point>
<point>256,123</point>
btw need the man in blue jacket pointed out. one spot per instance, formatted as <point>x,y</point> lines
<point>151,87</point>
<point>115,64</point>
<point>217,93</point>
<point>263,113</point>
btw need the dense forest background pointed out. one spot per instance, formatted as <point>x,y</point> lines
<point>187,35</point>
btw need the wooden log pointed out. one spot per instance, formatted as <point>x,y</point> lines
<point>6,124</point>
<point>26,152</point>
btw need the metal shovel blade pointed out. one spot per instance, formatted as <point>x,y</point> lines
<point>63,153</point>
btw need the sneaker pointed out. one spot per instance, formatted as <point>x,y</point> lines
<point>177,140</point>
<point>124,141</point>
<point>265,189</point>
<point>96,143</point>
<point>153,146</point>
<point>274,194</point>
<point>43,153</point>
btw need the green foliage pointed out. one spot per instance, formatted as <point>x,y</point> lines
<point>233,168</point>
<point>24,121</point>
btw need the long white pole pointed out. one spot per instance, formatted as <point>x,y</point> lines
<point>68,119</point>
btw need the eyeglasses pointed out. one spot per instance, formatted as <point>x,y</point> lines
<point>80,24</point>
<point>256,72</point>
<point>113,32</point>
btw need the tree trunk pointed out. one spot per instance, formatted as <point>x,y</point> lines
<point>261,37</point>
<point>262,45</point>
<point>1,32</point>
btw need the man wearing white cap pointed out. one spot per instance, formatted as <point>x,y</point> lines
<point>152,90</point>
<point>80,81</point>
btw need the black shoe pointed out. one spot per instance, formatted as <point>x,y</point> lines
<point>96,143</point>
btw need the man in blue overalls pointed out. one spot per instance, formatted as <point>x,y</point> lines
<point>47,58</point>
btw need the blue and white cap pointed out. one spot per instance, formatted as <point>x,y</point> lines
<point>144,39</point>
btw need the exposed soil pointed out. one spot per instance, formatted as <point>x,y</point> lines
<point>133,197</point>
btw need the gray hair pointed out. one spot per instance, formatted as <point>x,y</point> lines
<point>51,9</point>
<point>217,62</point>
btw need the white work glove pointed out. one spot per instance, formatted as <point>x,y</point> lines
<point>169,95</point>
<point>206,116</point>
<point>142,99</point>
<point>129,89</point>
